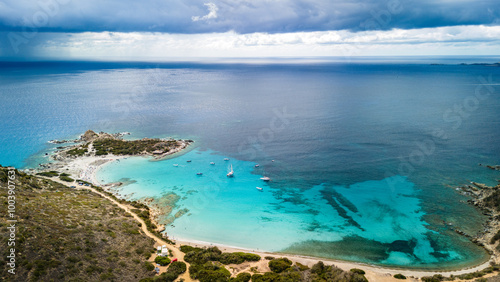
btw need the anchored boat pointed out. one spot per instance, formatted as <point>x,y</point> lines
<point>231,172</point>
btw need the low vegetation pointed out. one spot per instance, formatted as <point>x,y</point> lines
<point>162,260</point>
<point>467,276</point>
<point>280,264</point>
<point>63,176</point>
<point>358,271</point>
<point>495,238</point>
<point>208,264</point>
<point>144,213</point>
<point>66,178</point>
<point>323,273</point>
<point>209,271</point>
<point>493,201</point>
<point>174,270</point>
<point>399,276</point>
<point>135,147</point>
<point>51,173</point>
<point>79,151</point>
<point>65,234</point>
<point>241,277</point>
<point>202,256</point>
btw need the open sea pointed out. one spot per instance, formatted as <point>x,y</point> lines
<point>364,156</point>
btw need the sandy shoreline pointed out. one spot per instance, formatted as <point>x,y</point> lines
<point>86,168</point>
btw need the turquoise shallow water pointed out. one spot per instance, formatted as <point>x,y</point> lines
<point>233,212</point>
<point>351,178</point>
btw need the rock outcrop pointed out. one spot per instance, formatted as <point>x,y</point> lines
<point>89,135</point>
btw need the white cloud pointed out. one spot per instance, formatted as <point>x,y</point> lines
<point>212,13</point>
<point>460,40</point>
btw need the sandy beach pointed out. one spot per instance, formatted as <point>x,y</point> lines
<point>86,168</point>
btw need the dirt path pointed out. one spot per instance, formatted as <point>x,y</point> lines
<point>175,250</point>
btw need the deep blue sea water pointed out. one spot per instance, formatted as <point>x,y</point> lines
<point>366,154</point>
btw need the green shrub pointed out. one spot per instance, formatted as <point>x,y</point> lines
<point>431,279</point>
<point>66,178</point>
<point>256,277</point>
<point>399,276</point>
<point>187,249</point>
<point>177,267</point>
<point>230,258</point>
<point>149,266</point>
<point>495,238</point>
<point>318,268</point>
<point>203,255</point>
<point>77,152</point>
<point>358,271</point>
<point>242,277</point>
<point>162,260</point>
<point>267,277</point>
<point>94,268</point>
<point>73,259</point>
<point>280,264</point>
<point>209,272</point>
<point>322,272</point>
<point>52,173</point>
<point>301,266</point>
<point>107,276</point>
<point>249,256</point>
<point>237,258</point>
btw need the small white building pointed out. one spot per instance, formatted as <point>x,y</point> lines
<point>162,251</point>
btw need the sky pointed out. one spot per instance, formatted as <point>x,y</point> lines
<point>138,29</point>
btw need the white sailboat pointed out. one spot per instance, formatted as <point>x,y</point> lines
<point>231,172</point>
<point>260,189</point>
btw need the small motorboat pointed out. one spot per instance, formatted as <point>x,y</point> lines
<point>226,159</point>
<point>189,161</point>
<point>212,163</point>
<point>231,172</point>
<point>257,165</point>
<point>260,189</point>
<point>176,164</point>
<point>265,178</point>
<point>199,173</point>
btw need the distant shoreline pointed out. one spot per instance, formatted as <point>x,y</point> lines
<point>470,64</point>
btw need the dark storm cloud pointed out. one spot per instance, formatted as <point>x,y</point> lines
<point>195,16</point>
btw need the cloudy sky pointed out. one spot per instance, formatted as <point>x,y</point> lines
<point>138,29</point>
